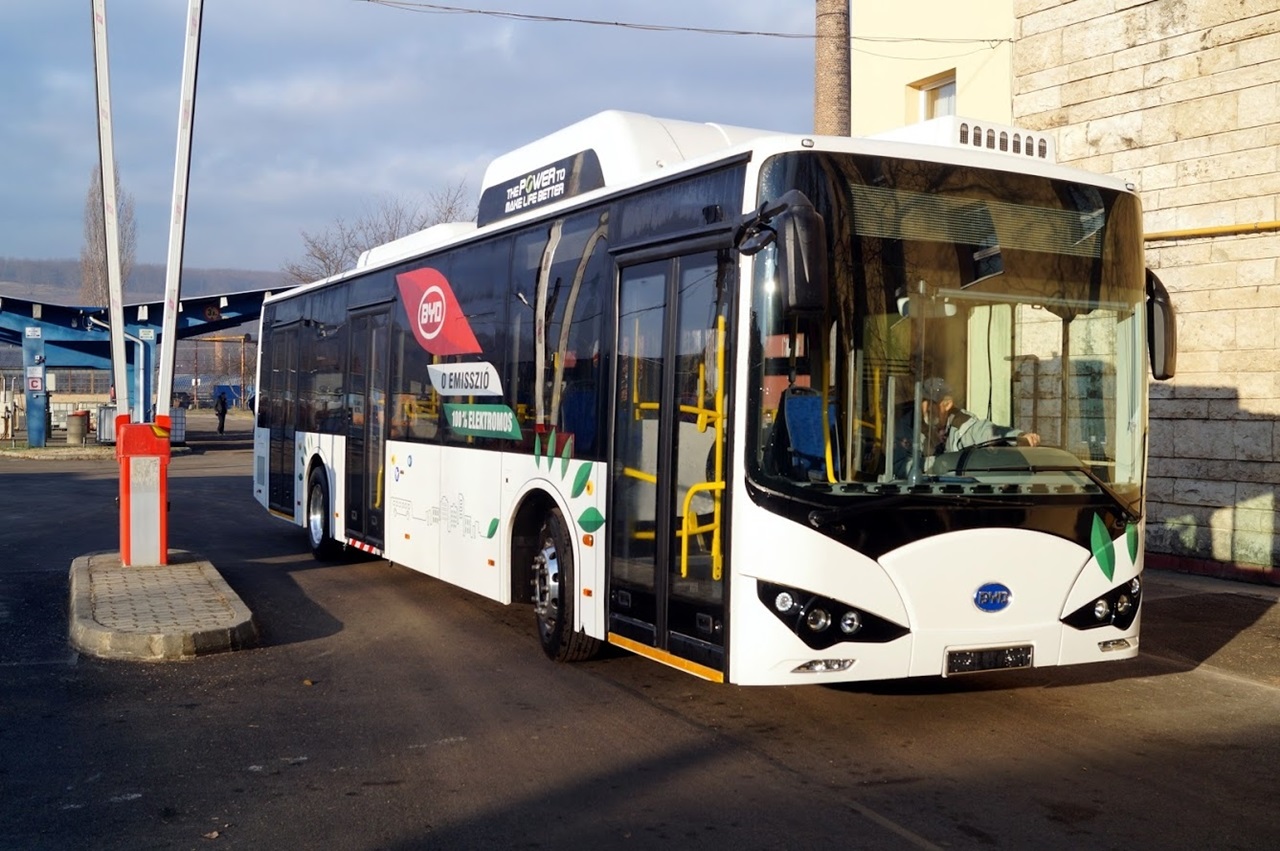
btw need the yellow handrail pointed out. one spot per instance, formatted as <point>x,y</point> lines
<point>640,474</point>
<point>689,525</point>
<point>705,417</point>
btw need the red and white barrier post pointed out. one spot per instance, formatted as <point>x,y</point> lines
<point>143,452</point>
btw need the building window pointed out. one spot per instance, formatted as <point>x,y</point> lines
<point>936,96</point>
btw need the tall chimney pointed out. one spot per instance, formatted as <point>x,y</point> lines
<point>831,69</point>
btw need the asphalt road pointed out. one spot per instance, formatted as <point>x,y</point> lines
<point>384,709</point>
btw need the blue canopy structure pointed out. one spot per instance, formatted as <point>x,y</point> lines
<point>68,336</point>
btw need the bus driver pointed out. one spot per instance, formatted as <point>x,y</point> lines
<point>956,428</point>
<point>948,427</point>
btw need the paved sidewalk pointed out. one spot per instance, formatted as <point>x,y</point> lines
<point>155,613</point>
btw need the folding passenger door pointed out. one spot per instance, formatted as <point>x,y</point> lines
<point>282,413</point>
<point>667,518</point>
<point>366,427</point>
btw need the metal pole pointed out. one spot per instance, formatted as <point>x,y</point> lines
<point>107,166</point>
<point>178,224</point>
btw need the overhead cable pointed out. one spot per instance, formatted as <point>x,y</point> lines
<point>437,8</point>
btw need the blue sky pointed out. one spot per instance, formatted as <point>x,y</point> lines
<point>311,110</point>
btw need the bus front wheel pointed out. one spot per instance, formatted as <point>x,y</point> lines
<point>553,595</point>
<point>319,531</point>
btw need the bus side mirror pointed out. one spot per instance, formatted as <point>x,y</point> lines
<point>1162,329</point>
<point>802,255</point>
<point>798,233</point>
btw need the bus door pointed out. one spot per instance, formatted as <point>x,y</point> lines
<point>281,396</point>
<point>667,518</point>
<point>366,426</point>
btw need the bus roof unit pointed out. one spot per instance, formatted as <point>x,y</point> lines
<point>609,149</point>
<point>954,131</point>
<point>414,244</point>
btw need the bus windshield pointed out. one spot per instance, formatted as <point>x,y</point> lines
<point>982,334</point>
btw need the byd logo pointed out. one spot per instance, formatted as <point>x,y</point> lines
<point>993,597</point>
<point>438,321</point>
<point>431,313</point>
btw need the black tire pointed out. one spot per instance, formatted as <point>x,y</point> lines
<point>319,518</point>
<point>553,596</point>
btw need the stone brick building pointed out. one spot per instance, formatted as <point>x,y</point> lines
<point>1182,98</point>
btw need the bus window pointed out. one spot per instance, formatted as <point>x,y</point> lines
<point>478,276</point>
<point>323,342</point>
<point>415,409</point>
<point>573,335</point>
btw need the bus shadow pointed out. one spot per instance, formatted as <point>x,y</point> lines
<point>282,609</point>
<point>1229,626</point>
<point>268,583</point>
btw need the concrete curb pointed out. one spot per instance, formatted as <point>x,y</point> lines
<point>155,613</point>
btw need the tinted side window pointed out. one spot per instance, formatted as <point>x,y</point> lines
<point>522,376</point>
<point>323,341</point>
<point>580,275</point>
<point>479,277</point>
<point>679,207</point>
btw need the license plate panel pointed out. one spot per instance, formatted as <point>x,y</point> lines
<point>973,661</point>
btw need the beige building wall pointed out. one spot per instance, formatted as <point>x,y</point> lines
<point>1183,99</point>
<point>900,49</point>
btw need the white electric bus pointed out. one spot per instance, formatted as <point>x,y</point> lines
<point>667,388</point>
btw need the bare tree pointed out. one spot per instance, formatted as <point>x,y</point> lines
<point>93,256</point>
<point>337,248</point>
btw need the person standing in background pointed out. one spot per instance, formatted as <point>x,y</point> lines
<point>220,408</point>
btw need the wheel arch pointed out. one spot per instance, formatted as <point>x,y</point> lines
<point>317,461</point>
<point>524,543</point>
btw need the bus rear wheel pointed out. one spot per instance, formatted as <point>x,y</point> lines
<point>319,531</point>
<point>553,594</point>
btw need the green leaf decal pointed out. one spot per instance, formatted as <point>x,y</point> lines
<point>580,480</point>
<point>537,450</point>
<point>1104,549</point>
<point>493,528</point>
<point>565,456</point>
<point>1131,538</point>
<point>591,520</point>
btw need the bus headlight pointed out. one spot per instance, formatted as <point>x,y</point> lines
<point>850,622</point>
<point>817,619</point>
<point>1118,607</point>
<point>810,616</point>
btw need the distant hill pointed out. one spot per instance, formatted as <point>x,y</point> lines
<point>58,281</point>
